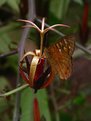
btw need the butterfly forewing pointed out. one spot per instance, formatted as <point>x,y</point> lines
<point>60,56</point>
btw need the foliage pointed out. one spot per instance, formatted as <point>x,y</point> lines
<point>72,98</point>
<point>27,104</point>
<point>11,3</point>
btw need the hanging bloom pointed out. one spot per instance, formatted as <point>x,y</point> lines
<point>35,73</point>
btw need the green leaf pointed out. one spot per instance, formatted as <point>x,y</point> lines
<point>79,100</point>
<point>43,104</point>
<point>12,62</point>
<point>64,116</point>
<point>4,43</point>
<point>2,2</point>
<point>3,102</point>
<point>59,8</point>
<point>11,26</point>
<point>27,104</point>
<point>3,83</point>
<point>79,2</point>
<point>14,4</point>
<point>85,112</point>
<point>7,35</point>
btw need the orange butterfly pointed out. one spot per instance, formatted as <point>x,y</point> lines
<point>59,56</point>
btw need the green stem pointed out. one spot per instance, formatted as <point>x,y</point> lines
<point>14,91</point>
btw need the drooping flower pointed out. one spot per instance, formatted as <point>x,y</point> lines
<point>35,73</point>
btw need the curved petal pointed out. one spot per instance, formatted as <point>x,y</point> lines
<point>24,76</point>
<point>28,53</point>
<point>30,22</point>
<point>33,67</point>
<point>30,26</point>
<point>53,26</point>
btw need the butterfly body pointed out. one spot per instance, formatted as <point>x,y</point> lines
<point>60,56</point>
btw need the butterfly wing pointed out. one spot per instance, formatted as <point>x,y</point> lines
<point>60,56</point>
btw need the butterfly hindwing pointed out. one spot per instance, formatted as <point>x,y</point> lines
<point>60,56</point>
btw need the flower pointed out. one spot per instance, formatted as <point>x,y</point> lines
<point>34,72</point>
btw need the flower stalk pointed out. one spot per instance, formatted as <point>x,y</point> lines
<point>14,91</point>
<point>41,44</point>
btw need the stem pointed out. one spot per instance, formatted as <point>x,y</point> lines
<point>8,54</point>
<point>15,90</point>
<point>41,44</point>
<point>42,36</point>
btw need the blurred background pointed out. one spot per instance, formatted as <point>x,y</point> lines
<point>63,100</point>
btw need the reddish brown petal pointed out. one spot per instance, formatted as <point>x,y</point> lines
<point>44,80</point>
<point>49,80</point>
<point>24,77</point>
<point>39,69</point>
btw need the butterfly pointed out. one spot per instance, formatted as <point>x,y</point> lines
<point>59,56</point>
